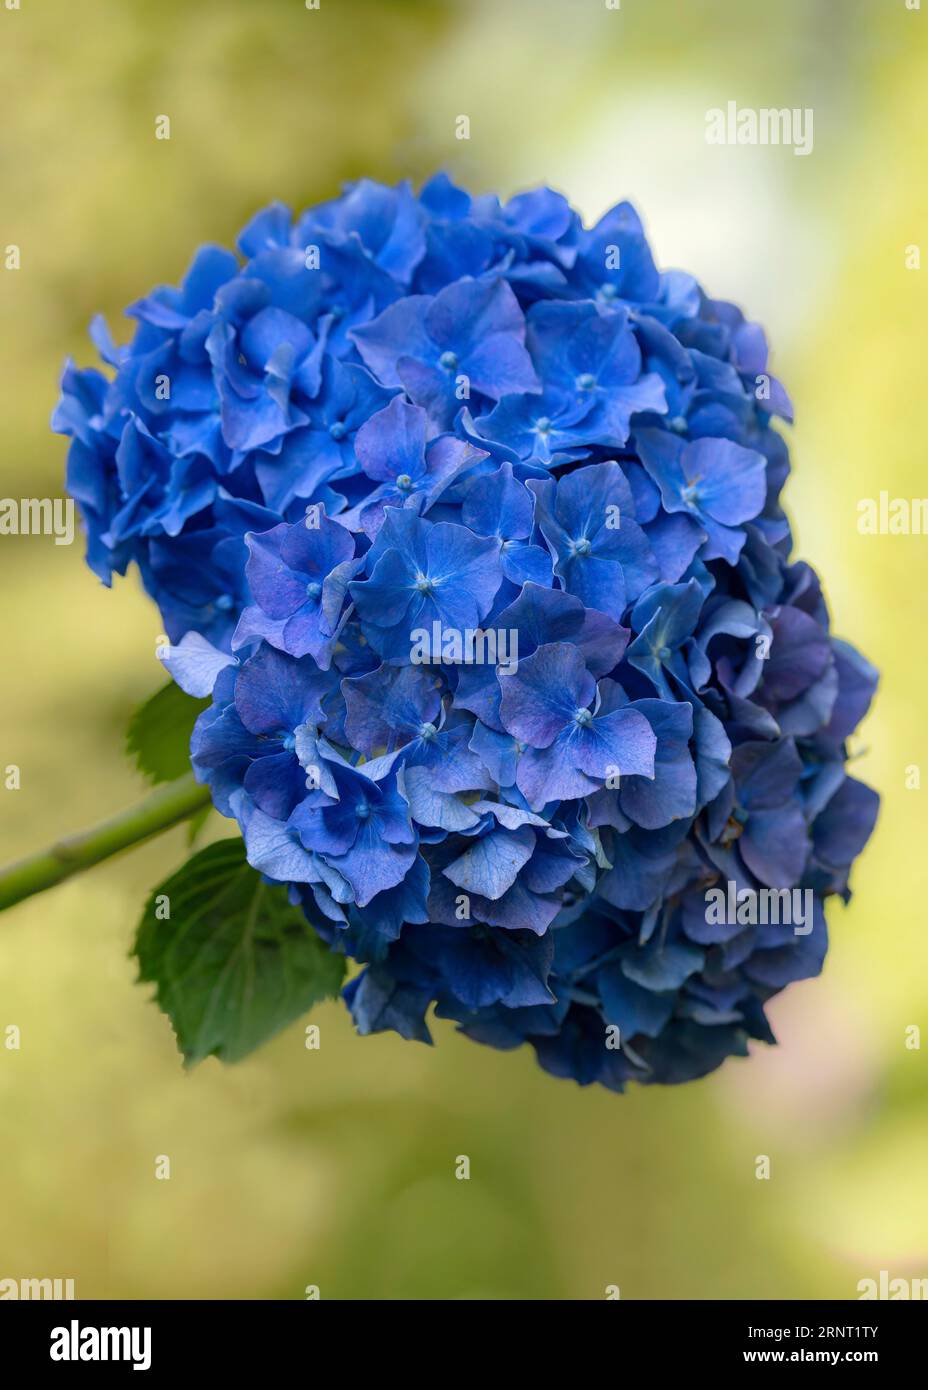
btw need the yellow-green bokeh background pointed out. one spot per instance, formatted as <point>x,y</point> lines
<point>335,1167</point>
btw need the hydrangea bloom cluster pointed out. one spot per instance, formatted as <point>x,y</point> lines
<point>468,519</point>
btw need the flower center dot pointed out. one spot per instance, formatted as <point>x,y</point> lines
<point>543,425</point>
<point>586,381</point>
<point>338,429</point>
<point>583,717</point>
<point>427,731</point>
<point>608,290</point>
<point>313,588</point>
<point>582,546</point>
<point>424,584</point>
<point>362,810</point>
<point>224,602</point>
<point>448,360</point>
<point>404,482</point>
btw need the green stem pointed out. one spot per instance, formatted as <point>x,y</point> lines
<point>175,802</point>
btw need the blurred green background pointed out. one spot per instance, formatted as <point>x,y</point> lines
<point>336,1167</point>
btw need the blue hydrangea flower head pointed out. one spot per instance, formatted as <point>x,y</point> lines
<point>467,518</point>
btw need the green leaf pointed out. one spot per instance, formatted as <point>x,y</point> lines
<point>158,735</point>
<point>233,963</point>
<point>196,823</point>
